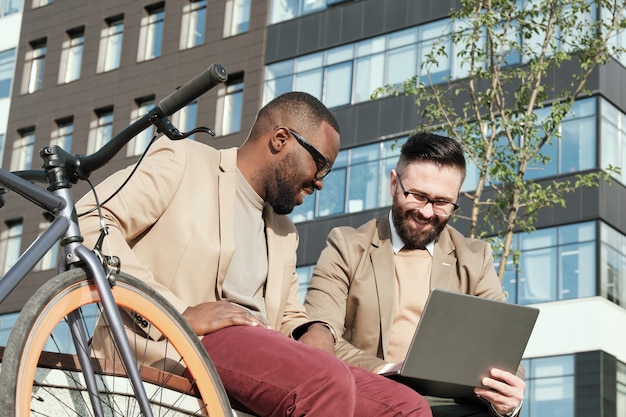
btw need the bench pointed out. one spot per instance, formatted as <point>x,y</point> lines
<point>60,371</point>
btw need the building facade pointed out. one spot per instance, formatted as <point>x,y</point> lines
<point>83,72</point>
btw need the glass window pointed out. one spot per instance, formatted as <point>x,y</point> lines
<point>10,242</point>
<point>304,277</point>
<point>363,178</point>
<point>22,156</point>
<point>185,118</point>
<point>100,129</point>
<point>139,143</point>
<point>612,264</point>
<point>237,17</point>
<point>547,162</point>
<point>72,56</point>
<point>278,80</point>
<point>151,33</point>
<point>34,67</point>
<point>613,139</point>
<point>50,259</point>
<point>556,263</point>
<point>388,160</point>
<point>110,50</point>
<point>359,181</point>
<point>62,134</point>
<point>578,130</point>
<point>40,3</point>
<point>281,10</point>
<point>338,86</point>
<point>433,36</point>
<point>332,200</point>
<point>401,56</point>
<point>621,389</point>
<point>368,76</point>
<point>338,76</point>
<point>308,74</point>
<point>8,7</point>
<point>618,41</point>
<point>7,68</point>
<point>350,73</point>
<point>230,106</point>
<point>7,321</point>
<point>577,261</point>
<point>536,266</point>
<point>193,25</point>
<point>2,136</point>
<point>511,42</point>
<point>549,387</point>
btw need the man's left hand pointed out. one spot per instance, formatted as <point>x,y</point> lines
<point>318,336</point>
<point>506,393</point>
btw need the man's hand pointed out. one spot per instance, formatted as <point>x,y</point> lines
<point>209,317</point>
<point>507,390</point>
<point>318,336</point>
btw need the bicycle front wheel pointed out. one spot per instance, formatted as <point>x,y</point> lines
<point>41,376</point>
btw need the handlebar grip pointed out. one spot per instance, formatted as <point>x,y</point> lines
<point>193,89</point>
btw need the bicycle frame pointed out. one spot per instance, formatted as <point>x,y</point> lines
<point>61,171</point>
<point>65,229</point>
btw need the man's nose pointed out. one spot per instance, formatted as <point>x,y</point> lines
<point>427,210</point>
<point>318,184</point>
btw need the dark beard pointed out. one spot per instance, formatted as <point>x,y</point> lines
<point>413,239</point>
<point>283,199</point>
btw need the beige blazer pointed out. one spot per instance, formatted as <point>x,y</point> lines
<point>353,284</point>
<point>173,227</point>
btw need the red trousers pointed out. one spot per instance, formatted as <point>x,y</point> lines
<point>273,375</point>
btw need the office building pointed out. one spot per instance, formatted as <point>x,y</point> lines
<point>85,70</point>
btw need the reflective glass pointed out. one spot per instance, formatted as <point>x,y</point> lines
<point>339,54</point>
<point>363,177</point>
<point>309,82</point>
<point>338,87</point>
<point>369,76</point>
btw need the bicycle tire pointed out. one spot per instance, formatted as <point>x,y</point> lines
<point>23,382</point>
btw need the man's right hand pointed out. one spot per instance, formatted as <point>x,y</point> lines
<point>209,317</point>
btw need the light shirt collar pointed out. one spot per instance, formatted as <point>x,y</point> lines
<point>397,242</point>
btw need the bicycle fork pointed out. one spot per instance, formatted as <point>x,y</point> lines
<point>76,252</point>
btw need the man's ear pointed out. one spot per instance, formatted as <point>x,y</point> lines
<point>279,139</point>
<point>393,182</point>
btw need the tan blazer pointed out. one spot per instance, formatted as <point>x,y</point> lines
<point>353,284</point>
<point>173,227</point>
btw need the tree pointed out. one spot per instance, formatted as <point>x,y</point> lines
<point>501,105</point>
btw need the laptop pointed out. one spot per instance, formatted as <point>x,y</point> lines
<point>459,338</point>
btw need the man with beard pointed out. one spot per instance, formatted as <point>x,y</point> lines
<point>371,284</point>
<point>206,228</point>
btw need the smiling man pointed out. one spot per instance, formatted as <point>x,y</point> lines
<point>371,283</point>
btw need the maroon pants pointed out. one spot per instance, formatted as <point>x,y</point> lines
<point>273,375</point>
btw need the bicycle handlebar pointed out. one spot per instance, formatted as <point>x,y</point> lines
<point>193,89</point>
<point>178,99</point>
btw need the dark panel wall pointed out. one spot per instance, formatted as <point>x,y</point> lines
<point>120,88</point>
<point>595,385</point>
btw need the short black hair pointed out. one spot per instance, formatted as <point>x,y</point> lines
<point>430,147</point>
<point>303,106</point>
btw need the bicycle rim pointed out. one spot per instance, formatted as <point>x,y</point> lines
<point>29,386</point>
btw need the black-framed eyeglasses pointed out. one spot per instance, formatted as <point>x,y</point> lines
<point>323,164</point>
<point>440,207</point>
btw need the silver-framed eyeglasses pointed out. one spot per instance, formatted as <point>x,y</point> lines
<point>324,165</point>
<point>440,207</point>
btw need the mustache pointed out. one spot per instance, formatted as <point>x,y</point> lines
<point>416,214</point>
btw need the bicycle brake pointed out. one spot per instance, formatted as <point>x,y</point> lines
<point>111,264</point>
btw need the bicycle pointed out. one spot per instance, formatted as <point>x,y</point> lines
<point>33,378</point>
